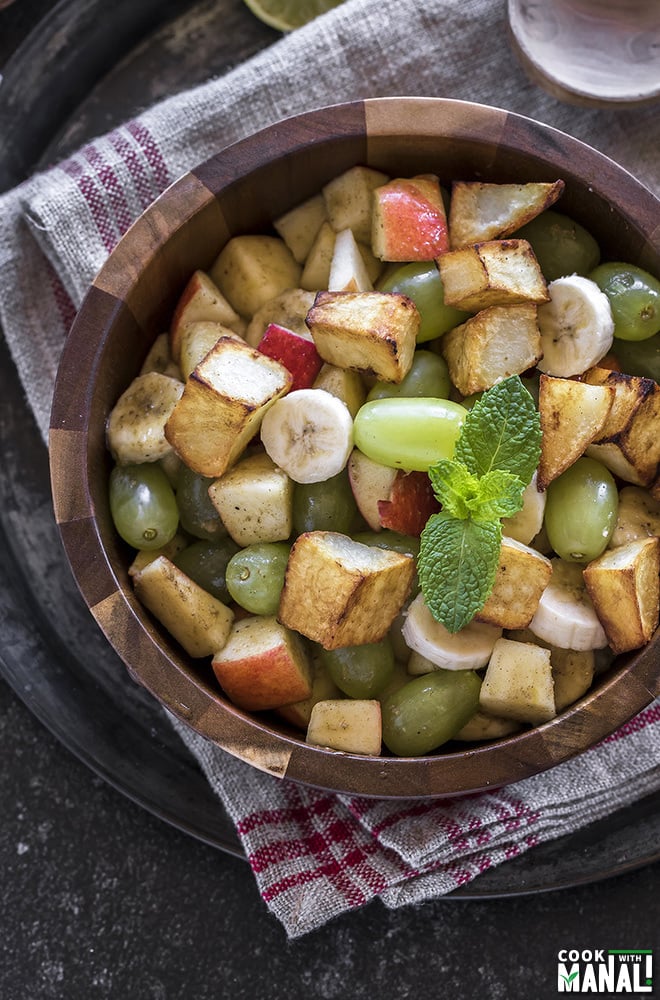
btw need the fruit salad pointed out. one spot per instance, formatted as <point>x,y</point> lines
<point>393,468</point>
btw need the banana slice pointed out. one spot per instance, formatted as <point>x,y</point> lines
<point>526,524</point>
<point>565,616</point>
<point>469,649</point>
<point>577,328</point>
<point>135,428</point>
<point>309,434</point>
<point>638,516</point>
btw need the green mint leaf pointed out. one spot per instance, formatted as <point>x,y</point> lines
<point>457,565</point>
<point>502,431</point>
<point>500,495</point>
<point>454,487</point>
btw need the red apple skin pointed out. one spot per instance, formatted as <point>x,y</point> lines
<point>295,352</point>
<point>410,222</point>
<point>410,505</point>
<point>267,677</point>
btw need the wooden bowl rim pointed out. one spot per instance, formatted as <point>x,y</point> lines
<point>158,666</point>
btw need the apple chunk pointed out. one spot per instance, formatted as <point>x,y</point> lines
<point>295,351</point>
<point>263,665</point>
<point>409,220</point>
<point>350,725</point>
<point>409,505</point>
<point>201,301</point>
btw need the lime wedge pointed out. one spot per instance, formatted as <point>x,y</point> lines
<point>286,15</point>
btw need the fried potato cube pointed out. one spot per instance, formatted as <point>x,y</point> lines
<point>494,273</point>
<point>518,683</point>
<point>372,332</point>
<point>339,592</point>
<point>263,665</point>
<point>300,225</point>
<point>348,200</point>
<point>624,589</point>
<point>254,500</point>
<point>479,212</point>
<point>201,301</point>
<point>252,269</point>
<point>352,725</point>
<point>343,383</point>
<point>497,342</point>
<point>197,620</point>
<point>573,413</point>
<point>223,404</point>
<point>522,576</point>
<point>629,442</point>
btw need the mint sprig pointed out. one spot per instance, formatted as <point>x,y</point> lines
<point>495,458</point>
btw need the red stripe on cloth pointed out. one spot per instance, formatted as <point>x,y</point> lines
<point>297,813</point>
<point>89,190</point>
<point>105,172</point>
<point>144,183</point>
<point>64,305</point>
<point>151,150</point>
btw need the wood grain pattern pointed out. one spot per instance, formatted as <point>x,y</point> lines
<point>240,189</point>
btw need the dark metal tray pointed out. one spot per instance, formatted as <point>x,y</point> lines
<point>98,64</point>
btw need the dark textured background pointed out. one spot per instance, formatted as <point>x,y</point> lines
<point>98,899</point>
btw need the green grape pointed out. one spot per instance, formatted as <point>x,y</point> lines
<point>388,539</point>
<point>255,576</point>
<point>581,510</point>
<point>206,563</point>
<point>143,505</point>
<point>422,283</point>
<point>634,297</point>
<point>429,710</point>
<point>325,506</point>
<point>360,671</point>
<point>562,246</point>
<point>640,357</point>
<point>408,432</point>
<point>198,515</point>
<point>428,376</point>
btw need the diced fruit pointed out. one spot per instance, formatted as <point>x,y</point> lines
<point>197,339</point>
<point>522,576</point>
<point>371,482</point>
<point>468,649</point>
<point>159,359</point>
<point>223,404</point>
<point>316,272</point>
<point>371,332</point>
<point>638,516</point>
<point>518,683</point>
<point>254,500</point>
<point>309,434</point>
<point>135,430</point>
<point>323,689</point>
<point>250,270</point>
<point>299,226</point>
<point>341,593</point>
<point>484,726</point>
<point>576,326</point>
<point>297,353</point>
<point>288,309</point>
<point>409,221</point>
<point>350,725</point>
<point>348,200</point>
<point>263,665</point>
<point>201,301</point>
<point>497,342</point>
<point>526,524</point>
<point>343,383</point>
<point>196,619</point>
<point>494,273</point>
<point>410,504</point>
<point>623,585</point>
<point>348,271</point>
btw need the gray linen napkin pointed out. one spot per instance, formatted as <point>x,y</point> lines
<point>315,855</point>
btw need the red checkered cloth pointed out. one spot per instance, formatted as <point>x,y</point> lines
<point>316,855</point>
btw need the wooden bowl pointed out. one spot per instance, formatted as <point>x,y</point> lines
<point>242,189</point>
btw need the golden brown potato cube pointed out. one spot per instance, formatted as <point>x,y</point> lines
<point>522,576</point>
<point>479,212</point>
<point>623,587</point>
<point>494,273</point>
<point>223,404</point>
<point>197,620</point>
<point>371,332</point>
<point>629,442</point>
<point>573,413</point>
<point>518,683</point>
<point>348,200</point>
<point>339,592</point>
<point>497,342</point>
<point>252,269</point>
